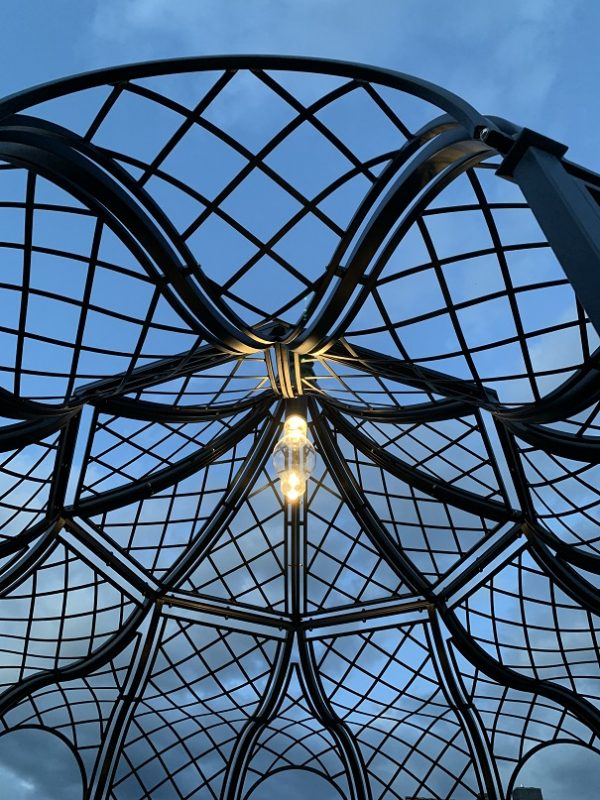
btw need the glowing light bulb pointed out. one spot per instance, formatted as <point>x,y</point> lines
<point>294,458</point>
<point>295,427</point>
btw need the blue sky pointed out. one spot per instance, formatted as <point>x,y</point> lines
<point>534,62</point>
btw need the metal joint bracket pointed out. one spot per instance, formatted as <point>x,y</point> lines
<point>519,146</point>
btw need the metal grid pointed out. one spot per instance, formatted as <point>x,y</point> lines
<point>185,247</point>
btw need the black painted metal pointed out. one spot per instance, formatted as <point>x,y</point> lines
<point>565,208</point>
<point>421,481</point>
<point>435,481</point>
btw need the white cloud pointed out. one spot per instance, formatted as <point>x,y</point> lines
<point>508,54</point>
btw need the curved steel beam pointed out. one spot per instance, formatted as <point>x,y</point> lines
<point>532,752</point>
<point>419,412</point>
<point>454,105</point>
<point>577,393</point>
<point>80,668</point>
<point>33,147</point>
<point>364,235</point>
<point>559,443</point>
<point>17,407</point>
<point>244,748</point>
<point>22,540</point>
<point>222,325</point>
<point>108,189</point>
<point>430,170</point>
<point>183,364</point>
<point>416,376</point>
<point>19,435</point>
<point>241,755</point>
<point>43,536</point>
<point>475,733</point>
<point>581,708</point>
<point>356,771</point>
<point>531,526</point>
<point>59,735</point>
<point>460,498</point>
<point>563,575</point>
<point>326,778</point>
<point>473,652</point>
<point>163,478</point>
<point>162,412</point>
<point>236,336</point>
<point>349,490</point>
<point>567,552</point>
<point>230,503</point>
<point>110,750</point>
<point>447,155</point>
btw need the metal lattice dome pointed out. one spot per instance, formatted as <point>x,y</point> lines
<point>188,250</point>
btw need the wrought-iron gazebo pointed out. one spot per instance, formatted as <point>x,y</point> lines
<point>192,249</point>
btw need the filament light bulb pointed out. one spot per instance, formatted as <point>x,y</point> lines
<point>294,458</point>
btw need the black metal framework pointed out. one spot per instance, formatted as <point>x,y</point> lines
<point>186,247</point>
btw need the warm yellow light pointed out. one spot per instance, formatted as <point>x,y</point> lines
<point>293,484</point>
<point>294,458</point>
<point>295,427</point>
<point>293,480</point>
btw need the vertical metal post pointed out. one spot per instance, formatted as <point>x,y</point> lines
<point>566,210</point>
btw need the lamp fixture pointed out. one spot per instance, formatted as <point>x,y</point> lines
<point>294,457</point>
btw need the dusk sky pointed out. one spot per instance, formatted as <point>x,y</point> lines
<point>534,62</point>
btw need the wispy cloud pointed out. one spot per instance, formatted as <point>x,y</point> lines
<point>485,51</point>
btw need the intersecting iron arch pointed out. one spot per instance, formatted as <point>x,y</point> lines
<point>430,474</point>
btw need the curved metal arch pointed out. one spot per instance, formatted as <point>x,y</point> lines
<point>144,487</point>
<point>419,412</point>
<point>196,360</point>
<point>454,105</point>
<point>441,156</point>
<point>415,174</point>
<point>219,323</point>
<point>59,735</point>
<point>475,734</point>
<point>410,374</point>
<point>563,575</point>
<point>460,498</point>
<point>573,396</point>
<point>161,412</point>
<point>248,795</point>
<point>581,708</point>
<point>349,490</point>
<point>431,169</point>
<point>242,752</point>
<point>104,768</point>
<point>354,763</point>
<point>35,542</point>
<point>568,553</point>
<point>23,433</point>
<point>536,749</point>
<point>559,443</point>
<point>266,713</point>
<point>79,669</point>
<point>97,180</point>
<point>33,148</point>
<point>105,187</point>
<point>229,504</point>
